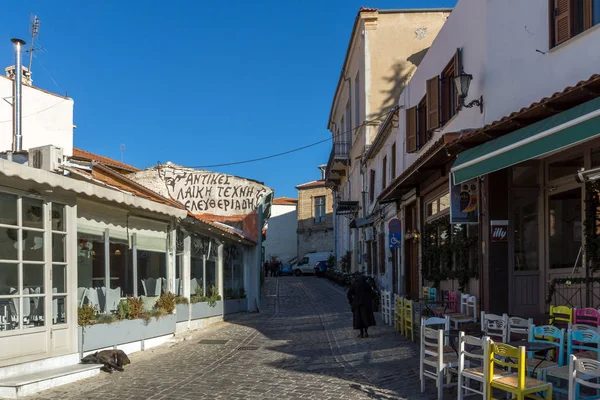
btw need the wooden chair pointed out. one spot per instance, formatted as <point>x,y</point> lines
<point>582,344</point>
<point>518,328</point>
<point>473,365</point>
<point>468,312</point>
<point>408,320</point>
<point>562,314</point>
<point>398,312</point>
<point>550,335</point>
<point>517,383</point>
<point>586,316</point>
<point>433,363</point>
<point>580,371</point>
<point>495,326</point>
<point>425,292</point>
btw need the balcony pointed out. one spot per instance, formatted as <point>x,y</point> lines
<point>339,162</point>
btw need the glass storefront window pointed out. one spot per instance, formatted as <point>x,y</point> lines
<point>9,238</point>
<point>152,273</point>
<point>525,223</point>
<point>90,268</point>
<point>211,275</point>
<point>565,228</point>
<point>33,245</point>
<point>32,213</point>
<point>59,315</point>
<point>58,217</point>
<point>525,174</point>
<point>565,167</point>
<point>197,276</point>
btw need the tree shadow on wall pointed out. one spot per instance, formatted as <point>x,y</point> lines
<point>400,74</point>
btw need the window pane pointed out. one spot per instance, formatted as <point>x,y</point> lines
<point>525,174</point>
<point>9,315</point>
<point>525,217</point>
<point>33,213</point>
<point>9,279</point>
<point>563,168</point>
<point>58,217</point>
<point>33,312</point>
<point>59,279</point>
<point>444,202</point>
<point>59,243</point>
<point>33,279</point>
<point>33,246</point>
<point>8,209</point>
<point>565,230</point>
<point>211,275</point>
<point>59,316</point>
<point>8,243</point>
<point>90,262</point>
<point>197,278</point>
<point>152,273</point>
<point>121,269</point>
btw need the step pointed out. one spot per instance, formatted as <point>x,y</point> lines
<point>25,385</point>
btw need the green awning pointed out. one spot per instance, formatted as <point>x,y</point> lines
<point>560,131</point>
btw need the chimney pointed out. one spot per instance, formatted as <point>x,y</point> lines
<point>17,97</point>
<point>323,168</point>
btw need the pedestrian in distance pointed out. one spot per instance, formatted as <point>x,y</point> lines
<point>267,268</point>
<point>360,295</point>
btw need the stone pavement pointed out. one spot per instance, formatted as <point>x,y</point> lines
<point>300,346</point>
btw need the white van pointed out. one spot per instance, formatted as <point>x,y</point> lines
<point>306,265</point>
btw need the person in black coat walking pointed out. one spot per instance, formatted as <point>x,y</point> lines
<point>360,295</point>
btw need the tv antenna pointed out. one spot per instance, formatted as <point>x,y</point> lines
<point>35,31</point>
<point>122,152</point>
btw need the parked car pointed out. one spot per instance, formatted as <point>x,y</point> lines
<point>320,268</point>
<point>286,269</point>
<point>306,265</point>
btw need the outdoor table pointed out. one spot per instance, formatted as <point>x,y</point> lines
<point>536,347</point>
<point>453,335</point>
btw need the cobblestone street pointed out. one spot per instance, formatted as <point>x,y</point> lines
<point>300,346</point>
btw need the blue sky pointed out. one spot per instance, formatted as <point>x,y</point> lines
<point>196,82</point>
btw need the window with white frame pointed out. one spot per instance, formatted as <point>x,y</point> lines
<point>437,206</point>
<point>319,209</point>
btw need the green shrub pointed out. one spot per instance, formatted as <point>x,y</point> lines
<point>106,318</point>
<point>123,309</point>
<point>181,300</point>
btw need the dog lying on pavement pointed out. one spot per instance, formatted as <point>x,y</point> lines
<point>111,360</point>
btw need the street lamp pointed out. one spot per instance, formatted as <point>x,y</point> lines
<point>462,83</point>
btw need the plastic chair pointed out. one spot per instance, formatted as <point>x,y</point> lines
<point>517,383</point>
<point>550,335</point>
<point>433,363</point>
<point>518,327</point>
<point>583,344</point>
<point>495,326</point>
<point>579,370</point>
<point>112,298</point>
<point>425,292</point>
<point>587,316</point>
<point>408,319</point>
<point>562,313</point>
<point>432,294</point>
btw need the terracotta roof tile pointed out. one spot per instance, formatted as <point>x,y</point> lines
<point>285,201</point>
<point>86,155</point>
<point>232,231</point>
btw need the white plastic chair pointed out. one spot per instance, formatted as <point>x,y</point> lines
<point>91,294</point>
<point>433,363</point>
<point>113,296</point>
<point>194,285</point>
<point>468,311</point>
<point>495,326</point>
<point>580,370</point>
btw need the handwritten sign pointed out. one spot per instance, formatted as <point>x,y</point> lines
<point>212,192</point>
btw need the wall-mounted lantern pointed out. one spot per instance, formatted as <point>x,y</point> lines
<point>462,83</point>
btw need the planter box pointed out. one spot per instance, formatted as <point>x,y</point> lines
<point>183,312</point>
<point>203,310</point>
<point>236,306</point>
<point>107,335</point>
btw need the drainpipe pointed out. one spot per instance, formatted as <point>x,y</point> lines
<point>17,97</point>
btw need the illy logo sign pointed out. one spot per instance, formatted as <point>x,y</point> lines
<point>499,231</point>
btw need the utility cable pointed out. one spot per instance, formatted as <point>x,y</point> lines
<point>377,117</point>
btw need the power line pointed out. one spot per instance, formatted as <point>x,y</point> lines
<point>37,112</point>
<point>295,149</point>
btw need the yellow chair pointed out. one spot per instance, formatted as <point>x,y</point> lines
<point>425,292</point>
<point>408,319</point>
<point>563,314</point>
<point>399,312</point>
<point>518,383</point>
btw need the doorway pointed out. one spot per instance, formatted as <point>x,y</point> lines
<point>411,251</point>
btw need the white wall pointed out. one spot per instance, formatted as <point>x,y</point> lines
<point>281,234</point>
<point>46,118</point>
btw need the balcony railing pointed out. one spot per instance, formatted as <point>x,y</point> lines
<point>339,151</point>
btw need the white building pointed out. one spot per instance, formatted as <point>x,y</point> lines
<point>47,118</point>
<point>281,241</point>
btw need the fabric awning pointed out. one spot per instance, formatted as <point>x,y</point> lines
<point>569,128</point>
<point>360,222</point>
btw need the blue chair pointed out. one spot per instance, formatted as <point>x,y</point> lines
<point>581,343</point>
<point>550,335</point>
<point>433,294</point>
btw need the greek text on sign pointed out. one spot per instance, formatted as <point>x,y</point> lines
<point>212,192</point>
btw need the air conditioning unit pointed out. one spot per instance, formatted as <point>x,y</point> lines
<point>47,157</point>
